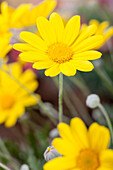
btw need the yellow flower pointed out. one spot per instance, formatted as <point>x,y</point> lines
<point>5,47</point>
<point>102,29</point>
<point>60,49</point>
<point>82,149</point>
<point>14,98</point>
<point>23,15</point>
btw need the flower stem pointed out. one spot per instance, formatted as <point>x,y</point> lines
<point>60,96</point>
<point>107,119</point>
<point>4,167</point>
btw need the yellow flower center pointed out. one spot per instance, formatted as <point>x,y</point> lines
<point>88,160</point>
<point>7,101</point>
<point>60,53</point>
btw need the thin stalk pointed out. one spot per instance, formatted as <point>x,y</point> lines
<point>60,97</point>
<point>39,102</point>
<point>4,167</point>
<point>107,119</point>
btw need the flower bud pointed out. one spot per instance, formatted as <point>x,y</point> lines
<point>51,153</point>
<point>92,101</point>
<point>24,167</point>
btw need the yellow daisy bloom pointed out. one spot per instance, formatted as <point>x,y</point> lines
<point>82,149</point>
<point>102,29</point>
<point>23,15</point>
<point>5,47</point>
<point>60,49</point>
<point>14,98</point>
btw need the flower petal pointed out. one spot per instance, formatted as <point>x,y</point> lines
<point>33,56</point>
<point>89,43</point>
<point>85,33</point>
<point>61,163</point>
<point>79,132</point>
<point>71,30</point>
<point>24,47</point>
<point>58,25</point>
<point>87,55</point>
<point>46,30</point>
<point>106,159</point>
<point>65,147</point>
<point>68,69</point>
<point>33,40</point>
<point>53,71</point>
<point>43,65</point>
<point>99,137</point>
<point>83,65</point>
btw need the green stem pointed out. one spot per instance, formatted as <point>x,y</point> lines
<point>60,96</point>
<point>4,167</point>
<point>107,119</point>
<point>39,102</point>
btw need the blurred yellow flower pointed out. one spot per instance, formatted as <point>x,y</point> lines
<point>82,149</point>
<point>23,15</point>
<point>102,29</point>
<point>14,98</point>
<point>60,49</point>
<point>5,47</point>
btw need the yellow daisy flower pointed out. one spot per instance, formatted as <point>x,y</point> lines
<point>102,29</point>
<point>14,98</point>
<point>5,47</point>
<point>82,149</point>
<point>23,15</point>
<point>60,49</point>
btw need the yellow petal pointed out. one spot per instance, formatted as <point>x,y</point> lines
<point>87,55</point>
<point>33,56</point>
<point>87,32</point>
<point>94,21</point>
<point>33,40</point>
<point>43,64</point>
<point>99,137</point>
<point>83,65</point>
<point>106,159</point>
<point>71,30</point>
<point>46,30</point>
<point>24,47</point>
<point>79,132</point>
<point>61,163</point>
<point>108,33</point>
<point>58,25</point>
<point>53,71</point>
<point>67,69</point>
<point>102,26</point>
<point>89,43</point>
<point>65,132</point>
<point>65,147</point>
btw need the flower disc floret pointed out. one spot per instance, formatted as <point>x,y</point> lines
<point>60,53</point>
<point>88,160</point>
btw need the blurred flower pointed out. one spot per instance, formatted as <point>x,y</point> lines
<point>24,167</point>
<point>92,101</point>
<point>23,15</point>
<point>14,98</point>
<point>102,29</point>
<point>60,49</point>
<point>5,47</point>
<point>81,148</point>
<point>51,153</point>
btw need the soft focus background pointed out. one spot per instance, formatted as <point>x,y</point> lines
<point>27,141</point>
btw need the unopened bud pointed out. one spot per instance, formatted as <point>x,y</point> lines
<point>92,101</point>
<point>24,167</point>
<point>51,153</point>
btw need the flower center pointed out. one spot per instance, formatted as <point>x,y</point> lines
<point>88,160</point>
<point>7,101</point>
<point>60,53</point>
